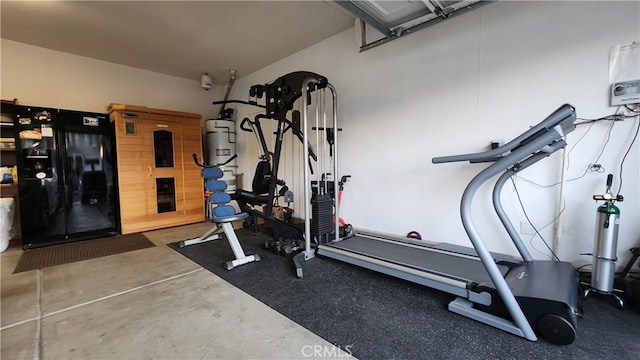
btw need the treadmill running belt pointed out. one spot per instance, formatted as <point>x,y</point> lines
<point>420,258</point>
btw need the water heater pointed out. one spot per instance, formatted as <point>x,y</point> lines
<point>220,142</point>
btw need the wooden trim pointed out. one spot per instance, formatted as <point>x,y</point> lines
<point>148,110</point>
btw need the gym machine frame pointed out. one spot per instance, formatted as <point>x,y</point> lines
<point>279,97</point>
<point>509,295</point>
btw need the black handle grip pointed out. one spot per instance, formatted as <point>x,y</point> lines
<point>228,161</point>
<point>609,179</point>
<point>195,160</point>
<point>243,125</point>
<point>344,178</point>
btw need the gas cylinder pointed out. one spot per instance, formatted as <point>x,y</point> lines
<point>605,245</point>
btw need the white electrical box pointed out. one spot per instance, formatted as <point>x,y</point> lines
<point>627,92</point>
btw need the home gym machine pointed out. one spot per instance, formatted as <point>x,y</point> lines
<point>279,98</point>
<point>512,295</point>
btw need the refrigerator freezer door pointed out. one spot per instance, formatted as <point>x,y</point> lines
<point>89,175</point>
<point>40,190</point>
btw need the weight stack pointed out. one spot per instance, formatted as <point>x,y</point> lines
<point>322,215</point>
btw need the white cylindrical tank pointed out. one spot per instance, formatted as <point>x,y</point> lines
<point>220,146</point>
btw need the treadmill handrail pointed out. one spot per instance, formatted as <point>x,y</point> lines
<point>497,190</point>
<point>519,154</point>
<point>526,149</point>
<point>564,117</point>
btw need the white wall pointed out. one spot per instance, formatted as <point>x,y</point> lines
<point>42,77</point>
<point>453,88</point>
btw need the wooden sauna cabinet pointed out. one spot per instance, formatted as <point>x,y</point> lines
<point>159,185</point>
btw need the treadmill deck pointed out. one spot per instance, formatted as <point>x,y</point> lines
<point>463,268</point>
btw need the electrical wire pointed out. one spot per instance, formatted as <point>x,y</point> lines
<point>636,110</point>
<point>593,166</point>
<point>581,137</point>
<point>591,121</point>
<point>576,144</point>
<point>531,223</point>
<point>542,228</point>
<point>605,143</point>
<point>635,136</point>
<point>613,117</point>
<point>585,265</point>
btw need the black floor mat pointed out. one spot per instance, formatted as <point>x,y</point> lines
<point>84,250</point>
<point>374,316</point>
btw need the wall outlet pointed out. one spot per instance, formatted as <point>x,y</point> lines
<point>288,196</point>
<point>526,228</point>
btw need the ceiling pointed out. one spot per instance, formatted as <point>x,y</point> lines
<point>190,38</point>
<point>179,38</point>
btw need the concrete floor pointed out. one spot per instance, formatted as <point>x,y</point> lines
<point>146,304</point>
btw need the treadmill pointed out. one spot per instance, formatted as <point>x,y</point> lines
<point>512,295</point>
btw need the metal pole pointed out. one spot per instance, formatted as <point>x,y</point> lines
<point>306,178</point>
<point>335,159</point>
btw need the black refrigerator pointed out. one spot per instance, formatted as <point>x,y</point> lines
<point>66,183</point>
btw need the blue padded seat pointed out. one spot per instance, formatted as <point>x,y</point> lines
<point>220,198</point>
<point>212,173</point>
<point>215,185</point>
<point>224,213</point>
